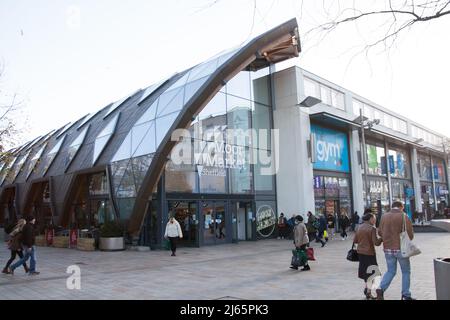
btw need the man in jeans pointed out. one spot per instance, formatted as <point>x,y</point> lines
<point>391,226</point>
<point>28,238</point>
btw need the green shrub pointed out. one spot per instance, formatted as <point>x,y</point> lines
<point>111,229</point>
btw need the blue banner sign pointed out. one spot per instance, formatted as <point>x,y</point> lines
<point>391,164</point>
<point>330,149</point>
<point>436,172</point>
<point>400,162</point>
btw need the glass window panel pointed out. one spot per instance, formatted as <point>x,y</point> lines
<point>127,186</point>
<point>79,140</point>
<point>191,88</point>
<point>239,85</point>
<point>261,90</point>
<point>388,121</point>
<point>212,179</point>
<point>150,114</point>
<point>110,128</point>
<point>203,70</point>
<point>57,146</point>
<point>263,182</point>
<point>241,177</point>
<point>225,56</point>
<point>124,151</point>
<point>163,125</point>
<point>143,140</point>
<point>98,184</point>
<point>261,119</point>
<point>140,168</point>
<point>180,178</point>
<point>170,101</point>
<point>75,146</point>
<point>395,124</point>
<point>337,99</point>
<point>118,170</point>
<point>105,135</point>
<point>325,95</point>
<point>217,107</point>
<point>239,122</point>
<point>125,207</point>
<point>311,88</point>
<point>100,144</point>
<point>180,82</point>
<point>376,160</point>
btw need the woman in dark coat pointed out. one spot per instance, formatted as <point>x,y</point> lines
<point>15,245</point>
<point>344,222</point>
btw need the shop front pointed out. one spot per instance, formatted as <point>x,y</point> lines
<point>332,188</point>
<point>401,178</point>
<point>433,185</point>
<point>377,180</point>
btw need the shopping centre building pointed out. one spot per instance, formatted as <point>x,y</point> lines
<point>255,143</point>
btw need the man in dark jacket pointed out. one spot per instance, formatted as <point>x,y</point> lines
<point>28,239</point>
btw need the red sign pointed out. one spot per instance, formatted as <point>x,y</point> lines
<point>73,237</point>
<point>50,233</point>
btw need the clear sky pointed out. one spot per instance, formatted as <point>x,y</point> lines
<point>68,58</point>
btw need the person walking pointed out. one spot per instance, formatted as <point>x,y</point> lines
<point>28,240</point>
<point>301,240</point>
<point>15,245</point>
<point>331,223</point>
<point>355,221</point>
<point>173,233</point>
<point>391,225</point>
<point>366,238</point>
<point>282,225</point>
<point>312,226</point>
<point>321,229</point>
<point>344,222</point>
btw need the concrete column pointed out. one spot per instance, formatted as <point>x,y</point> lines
<point>356,172</point>
<point>416,180</point>
<point>295,193</point>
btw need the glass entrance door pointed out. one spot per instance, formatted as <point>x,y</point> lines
<point>215,222</point>
<point>186,214</point>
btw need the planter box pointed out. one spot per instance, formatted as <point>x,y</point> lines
<point>61,242</point>
<point>112,244</point>
<point>40,241</point>
<point>86,244</point>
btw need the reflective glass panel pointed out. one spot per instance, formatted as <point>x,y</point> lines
<point>170,101</point>
<point>150,114</point>
<point>163,125</point>
<point>239,85</point>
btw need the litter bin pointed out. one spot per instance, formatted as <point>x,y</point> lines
<point>442,278</point>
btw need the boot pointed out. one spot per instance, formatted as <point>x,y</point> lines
<point>26,269</point>
<point>380,294</point>
<point>5,270</point>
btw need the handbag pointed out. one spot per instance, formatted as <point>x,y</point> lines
<point>310,254</point>
<point>407,247</point>
<point>352,254</point>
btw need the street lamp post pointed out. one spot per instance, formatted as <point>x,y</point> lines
<point>363,125</point>
<point>364,160</point>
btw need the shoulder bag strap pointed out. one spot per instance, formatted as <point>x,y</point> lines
<point>403,223</point>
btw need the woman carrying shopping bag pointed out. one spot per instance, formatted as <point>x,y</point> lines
<point>301,240</point>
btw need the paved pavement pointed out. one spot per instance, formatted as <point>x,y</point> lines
<point>248,270</point>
